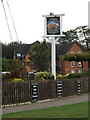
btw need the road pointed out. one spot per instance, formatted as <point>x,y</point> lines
<point>45,104</point>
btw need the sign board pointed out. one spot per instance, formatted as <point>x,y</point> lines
<point>34,92</point>
<point>53,25</point>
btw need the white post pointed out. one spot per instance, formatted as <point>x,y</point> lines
<point>45,26</point>
<point>53,41</point>
<point>89,14</point>
<point>61,25</point>
<point>53,56</point>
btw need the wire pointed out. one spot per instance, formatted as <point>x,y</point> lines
<point>12,19</point>
<point>6,20</point>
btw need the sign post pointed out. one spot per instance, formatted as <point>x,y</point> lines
<point>53,32</point>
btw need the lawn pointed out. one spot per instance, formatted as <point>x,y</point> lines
<point>79,110</point>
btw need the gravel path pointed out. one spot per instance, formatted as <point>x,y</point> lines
<point>51,103</point>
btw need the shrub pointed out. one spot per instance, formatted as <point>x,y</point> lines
<point>61,77</point>
<point>74,75</point>
<point>18,80</point>
<point>43,76</point>
<point>15,73</point>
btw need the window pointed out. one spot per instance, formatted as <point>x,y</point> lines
<point>79,71</point>
<point>18,55</point>
<point>79,52</point>
<point>60,64</point>
<point>79,64</point>
<point>72,52</point>
<point>22,56</point>
<point>72,64</point>
<point>72,71</point>
<point>60,56</point>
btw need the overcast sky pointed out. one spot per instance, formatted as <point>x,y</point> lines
<point>28,20</point>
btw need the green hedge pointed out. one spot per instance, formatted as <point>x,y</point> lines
<point>69,76</point>
<point>61,77</point>
<point>43,76</point>
<point>18,80</point>
<point>74,75</point>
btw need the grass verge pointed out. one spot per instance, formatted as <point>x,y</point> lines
<point>79,110</point>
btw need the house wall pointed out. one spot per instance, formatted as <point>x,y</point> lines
<point>28,67</point>
<point>75,48</point>
<point>66,65</point>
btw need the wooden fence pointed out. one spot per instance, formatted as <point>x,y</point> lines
<point>14,93</point>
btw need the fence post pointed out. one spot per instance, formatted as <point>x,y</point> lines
<point>59,89</point>
<point>34,92</point>
<point>78,87</point>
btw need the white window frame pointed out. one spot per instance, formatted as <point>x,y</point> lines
<point>73,62</point>
<point>72,71</point>
<point>79,52</point>
<point>79,71</point>
<point>72,52</point>
<point>79,64</point>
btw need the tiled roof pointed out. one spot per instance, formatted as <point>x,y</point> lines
<point>22,49</point>
<point>62,49</point>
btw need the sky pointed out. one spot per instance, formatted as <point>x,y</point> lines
<point>28,20</point>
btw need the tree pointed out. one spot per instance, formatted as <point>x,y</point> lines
<point>9,64</point>
<point>70,36</point>
<point>7,51</point>
<point>77,57</point>
<point>84,35</point>
<point>40,56</point>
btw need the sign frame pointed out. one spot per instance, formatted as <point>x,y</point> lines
<point>60,25</point>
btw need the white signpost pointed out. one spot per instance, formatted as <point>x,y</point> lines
<point>89,14</point>
<point>53,32</point>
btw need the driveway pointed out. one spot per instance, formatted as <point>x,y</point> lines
<point>45,104</point>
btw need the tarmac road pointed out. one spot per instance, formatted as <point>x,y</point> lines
<point>45,104</point>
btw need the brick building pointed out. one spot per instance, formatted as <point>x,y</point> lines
<point>21,52</point>
<point>65,67</point>
<point>62,67</point>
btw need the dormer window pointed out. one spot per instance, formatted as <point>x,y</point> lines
<point>72,52</point>
<point>79,52</point>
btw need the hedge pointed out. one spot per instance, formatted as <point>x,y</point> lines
<point>18,80</point>
<point>43,76</point>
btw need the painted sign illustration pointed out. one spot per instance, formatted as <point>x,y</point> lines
<point>53,26</point>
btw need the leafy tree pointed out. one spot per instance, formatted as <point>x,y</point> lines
<point>84,35</point>
<point>70,36</point>
<point>77,57</point>
<point>8,64</point>
<point>40,56</point>
<point>7,51</point>
<point>80,34</point>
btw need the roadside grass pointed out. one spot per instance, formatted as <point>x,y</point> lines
<point>79,110</point>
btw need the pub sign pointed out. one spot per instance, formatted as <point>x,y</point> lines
<point>53,25</point>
